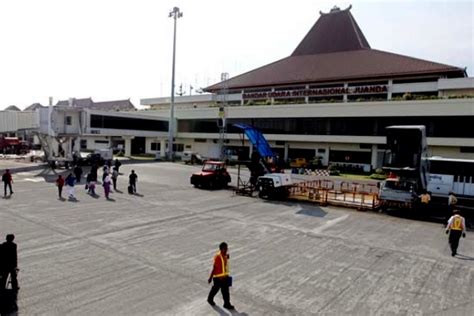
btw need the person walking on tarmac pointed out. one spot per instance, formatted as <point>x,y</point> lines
<point>7,180</point>
<point>9,263</point>
<point>220,276</point>
<point>425,199</point>
<point>456,227</point>
<point>60,185</point>
<point>452,201</point>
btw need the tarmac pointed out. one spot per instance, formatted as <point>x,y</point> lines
<point>151,253</point>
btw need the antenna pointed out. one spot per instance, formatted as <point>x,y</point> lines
<point>222,112</point>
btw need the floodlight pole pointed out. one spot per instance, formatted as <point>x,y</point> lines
<point>175,14</point>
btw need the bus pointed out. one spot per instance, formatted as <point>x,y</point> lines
<point>451,175</point>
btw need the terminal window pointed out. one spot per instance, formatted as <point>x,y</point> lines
<point>128,123</point>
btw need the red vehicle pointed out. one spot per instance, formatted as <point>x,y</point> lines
<point>213,175</point>
<point>12,145</point>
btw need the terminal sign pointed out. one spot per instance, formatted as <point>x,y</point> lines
<point>315,92</point>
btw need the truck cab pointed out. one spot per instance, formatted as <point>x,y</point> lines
<point>213,175</point>
<point>274,186</point>
<point>398,192</point>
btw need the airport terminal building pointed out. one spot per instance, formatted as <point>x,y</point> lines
<point>332,98</point>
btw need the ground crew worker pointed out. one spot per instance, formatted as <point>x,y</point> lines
<point>456,227</point>
<point>425,199</point>
<point>9,263</point>
<point>7,180</point>
<point>452,201</point>
<point>220,276</point>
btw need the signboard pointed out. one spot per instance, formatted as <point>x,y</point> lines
<point>315,92</point>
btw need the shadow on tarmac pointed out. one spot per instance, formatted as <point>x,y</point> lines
<point>8,302</point>
<point>224,312</point>
<point>314,211</point>
<point>463,257</point>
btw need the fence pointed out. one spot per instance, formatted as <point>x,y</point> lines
<point>326,192</point>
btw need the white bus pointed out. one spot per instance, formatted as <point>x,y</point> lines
<point>448,174</point>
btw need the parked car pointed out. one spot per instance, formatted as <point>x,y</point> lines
<point>191,157</point>
<point>99,157</point>
<point>213,175</point>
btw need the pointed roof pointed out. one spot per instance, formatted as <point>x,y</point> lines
<point>82,103</point>
<point>336,31</point>
<point>33,107</point>
<point>12,108</point>
<point>335,49</point>
<point>118,105</point>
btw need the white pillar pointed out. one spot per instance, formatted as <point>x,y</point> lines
<point>250,149</point>
<point>373,160</point>
<point>344,97</point>
<point>285,153</point>
<point>128,145</point>
<point>389,88</point>
<point>162,148</point>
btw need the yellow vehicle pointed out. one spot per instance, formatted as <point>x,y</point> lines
<point>298,163</point>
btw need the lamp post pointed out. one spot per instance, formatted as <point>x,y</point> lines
<point>175,14</point>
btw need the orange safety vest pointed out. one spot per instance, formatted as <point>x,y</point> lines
<point>221,266</point>
<point>456,224</point>
<point>425,198</point>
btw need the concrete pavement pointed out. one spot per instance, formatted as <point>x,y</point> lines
<point>152,254</point>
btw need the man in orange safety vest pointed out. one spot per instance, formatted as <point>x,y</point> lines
<point>220,276</point>
<point>455,228</point>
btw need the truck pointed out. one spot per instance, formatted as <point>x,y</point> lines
<point>213,175</point>
<point>406,162</point>
<point>191,157</point>
<point>274,186</point>
<point>99,157</point>
<point>13,145</point>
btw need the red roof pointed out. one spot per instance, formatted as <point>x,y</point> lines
<point>333,32</point>
<point>349,65</point>
<point>335,49</point>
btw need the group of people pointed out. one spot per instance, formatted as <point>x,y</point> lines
<point>109,180</point>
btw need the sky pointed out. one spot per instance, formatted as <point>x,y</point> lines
<point>121,49</point>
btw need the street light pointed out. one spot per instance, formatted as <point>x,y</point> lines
<point>175,14</point>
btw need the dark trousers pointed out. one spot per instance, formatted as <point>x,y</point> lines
<point>114,180</point>
<point>134,187</point>
<point>454,236</point>
<point>9,184</point>
<point>14,280</point>
<point>223,285</point>
<point>60,191</point>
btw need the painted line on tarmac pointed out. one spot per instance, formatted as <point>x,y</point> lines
<point>330,223</point>
<point>31,180</point>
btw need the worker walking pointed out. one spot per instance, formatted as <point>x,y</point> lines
<point>220,276</point>
<point>9,263</point>
<point>7,180</point>
<point>132,181</point>
<point>60,184</point>
<point>456,227</point>
<point>452,201</point>
<point>425,200</point>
